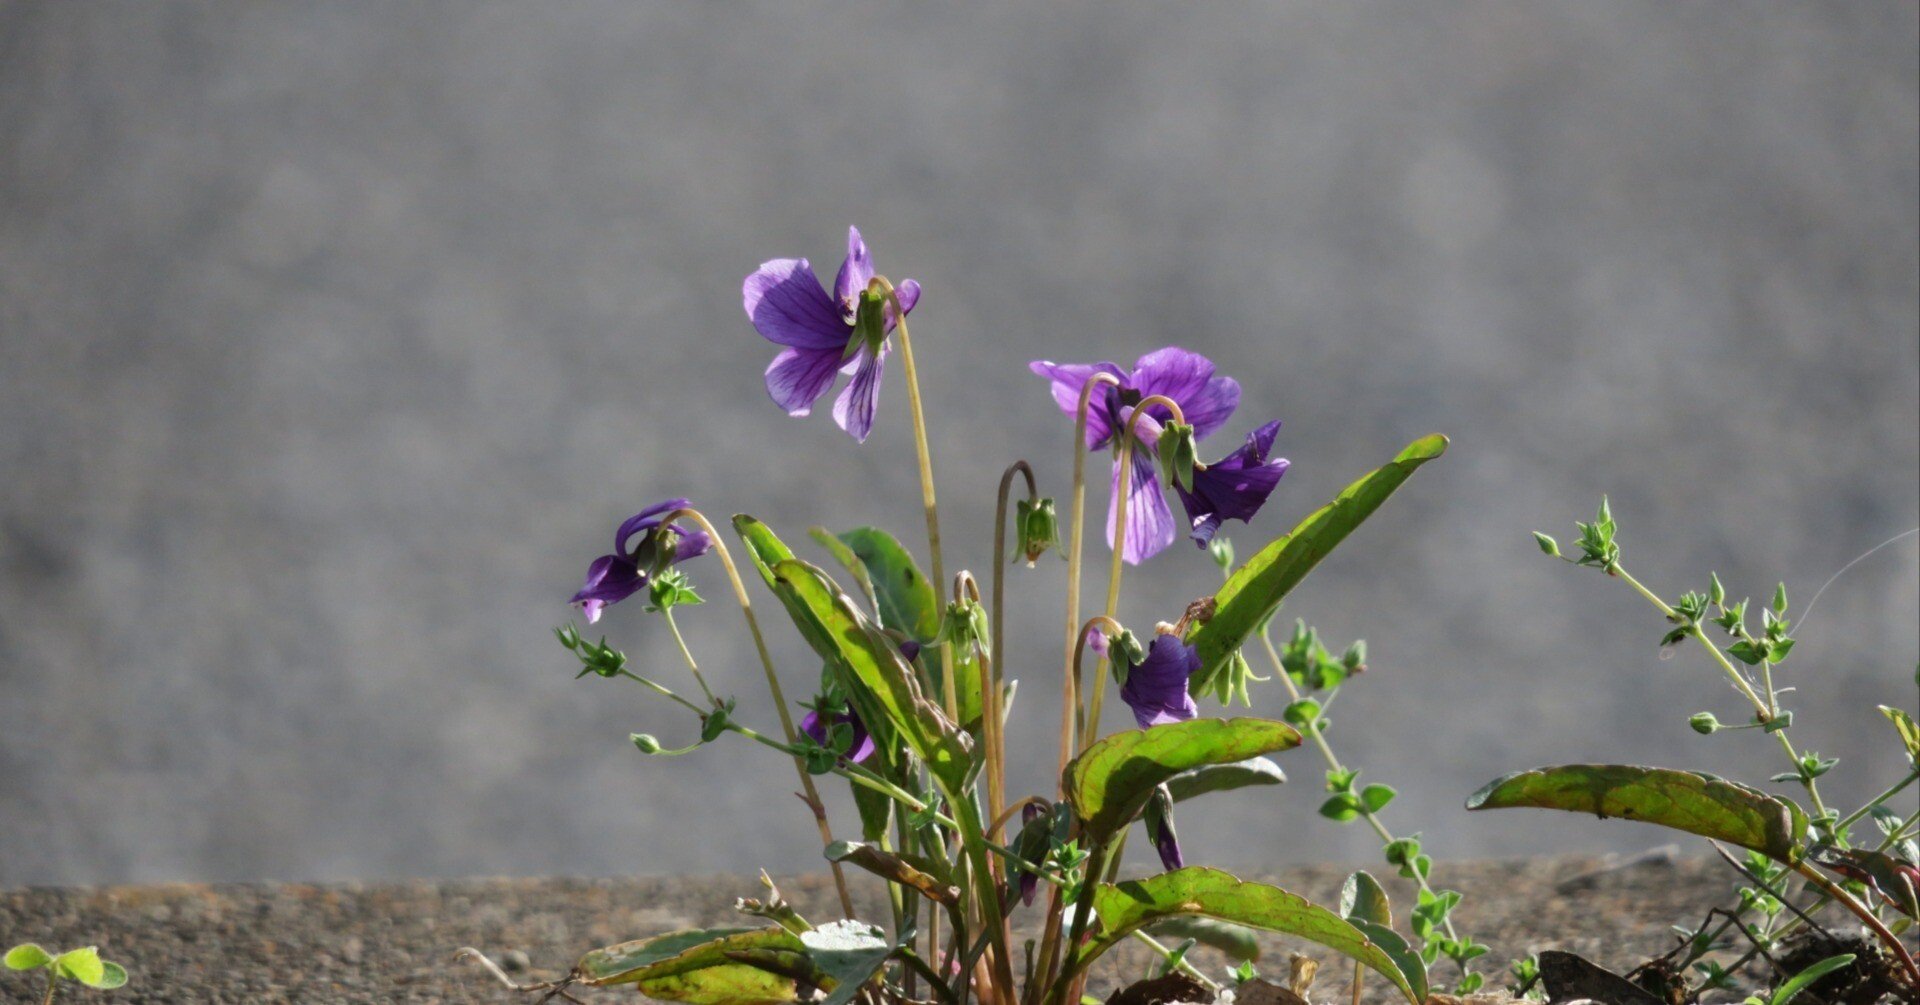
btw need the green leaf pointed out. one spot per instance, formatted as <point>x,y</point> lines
<point>903,869</point>
<point>1801,981</point>
<point>1908,729</point>
<point>854,566</point>
<point>1363,899</point>
<point>1375,797</point>
<point>850,952</point>
<point>1215,894</point>
<point>1224,778</point>
<point>113,975</point>
<point>83,965</point>
<point>906,600</point>
<point>1683,800</point>
<point>1236,941</point>
<point>27,956</point>
<point>694,966</point>
<point>1255,590</point>
<point>1110,781</point>
<point>879,670</point>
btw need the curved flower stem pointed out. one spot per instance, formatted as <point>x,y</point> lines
<point>1125,483</point>
<point>810,795</point>
<point>1111,629</point>
<point>949,695</point>
<point>686,653</point>
<point>1070,699</point>
<point>990,672</point>
<point>1761,706</point>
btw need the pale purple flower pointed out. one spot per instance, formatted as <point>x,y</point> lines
<point>814,726</point>
<point>1188,379</point>
<point>790,308</point>
<point>613,578</point>
<point>1233,488</point>
<point>1156,689</point>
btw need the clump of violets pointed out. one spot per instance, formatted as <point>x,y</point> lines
<point>913,707</point>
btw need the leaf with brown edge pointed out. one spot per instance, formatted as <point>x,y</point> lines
<point>1682,800</point>
<point>900,869</point>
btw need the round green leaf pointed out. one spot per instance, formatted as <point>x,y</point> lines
<point>27,956</point>
<point>83,965</point>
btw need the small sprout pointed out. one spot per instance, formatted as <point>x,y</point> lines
<point>1780,600</point>
<point>82,965</point>
<point>1244,972</point>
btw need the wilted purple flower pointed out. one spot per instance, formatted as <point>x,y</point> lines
<point>1156,689</point>
<point>1186,377</point>
<point>858,751</point>
<point>789,307</point>
<point>1235,487</point>
<point>1159,821</point>
<point>1030,881</point>
<point>613,578</point>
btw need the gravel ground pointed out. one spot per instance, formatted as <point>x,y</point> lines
<point>394,942</point>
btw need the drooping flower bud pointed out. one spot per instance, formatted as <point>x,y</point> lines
<point>1176,450</point>
<point>1704,723</point>
<point>1038,527</point>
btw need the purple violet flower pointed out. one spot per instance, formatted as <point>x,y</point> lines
<point>790,308</point>
<point>613,578</point>
<point>1165,840</point>
<point>1156,689</point>
<point>862,746</point>
<point>1235,487</point>
<point>1186,377</point>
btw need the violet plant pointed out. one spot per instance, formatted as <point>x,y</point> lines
<point>990,895</point>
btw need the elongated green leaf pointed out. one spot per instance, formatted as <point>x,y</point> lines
<point>907,870</point>
<point>1683,800</point>
<point>854,566</point>
<point>1111,780</point>
<point>1224,778</point>
<point>1908,729</point>
<point>1805,979</point>
<point>27,956</point>
<point>907,601</point>
<point>850,952</point>
<point>694,966</point>
<point>1215,894</point>
<point>879,670</point>
<point>1236,941</point>
<point>1255,590</point>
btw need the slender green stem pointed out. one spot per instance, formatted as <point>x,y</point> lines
<point>1167,954</point>
<point>1897,788</point>
<point>950,695</point>
<point>919,966</point>
<point>688,655</point>
<point>1083,908</point>
<point>1124,489</point>
<point>664,691</point>
<point>1070,698</point>
<point>810,794</point>
<point>53,984</point>
<point>992,723</point>
<point>1760,706</point>
<point>1326,752</point>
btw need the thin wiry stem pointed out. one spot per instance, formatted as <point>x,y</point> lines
<point>1128,437</point>
<point>990,679</point>
<point>811,795</point>
<point>1070,700</point>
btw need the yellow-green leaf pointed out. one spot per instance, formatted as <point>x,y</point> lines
<point>1682,800</point>
<point>694,966</point>
<point>1109,782</point>
<point>1255,590</point>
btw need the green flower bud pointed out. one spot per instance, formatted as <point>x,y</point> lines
<point>646,743</point>
<point>1547,544</point>
<point>1177,453</point>
<point>1704,723</point>
<point>1039,529</point>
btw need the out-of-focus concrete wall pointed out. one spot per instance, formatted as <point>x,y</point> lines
<point>336,338</point>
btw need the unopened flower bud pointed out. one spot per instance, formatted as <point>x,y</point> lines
<point>1177,453</point>
<point>1703,723</point>
<point>646,743</point>
<point>1039,528</point>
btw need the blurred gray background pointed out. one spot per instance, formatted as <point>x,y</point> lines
<point>336,338</point>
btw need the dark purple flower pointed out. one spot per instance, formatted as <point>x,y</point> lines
<point>789,307</point>
<point>613,578</point>
<point>1156,689</point>
<point>1235,487</point>
<point>858,751</point>
<point>1159,821</point>
<point>1186,377</point>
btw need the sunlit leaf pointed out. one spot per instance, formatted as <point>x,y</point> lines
<point>1682,800</point>
<point>1908,729</point>
<point>1224,778</point>
<point>1255,590</point>
<point>693,966</point>
<point>27,956</point>
<point>907,601</point>
<point>83,965</point>
<point>1362,897</point>
<point>1799,982</point>
<point>1109,782</point>
<point>850,952</point>
<point>904,869</point>
<point>1212,893</point>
